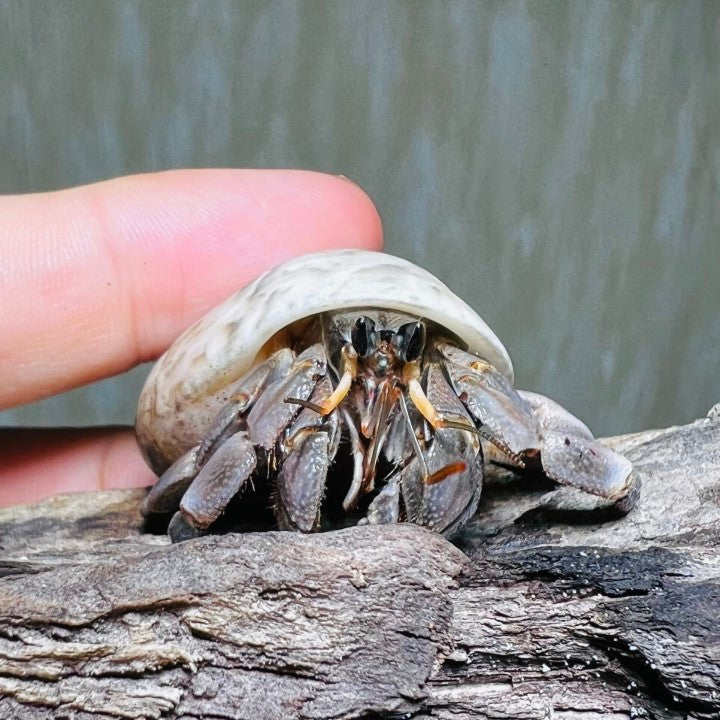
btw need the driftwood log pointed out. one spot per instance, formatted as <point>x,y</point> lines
<point>539,611</point>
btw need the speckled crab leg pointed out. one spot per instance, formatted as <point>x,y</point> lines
<point>492,401</point>
<point>438,419</point>
<point>218,481</point>
<point>166,493</point>
<point>309,448</point>
<point>279,365</point>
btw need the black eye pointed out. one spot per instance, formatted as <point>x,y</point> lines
<point>362,335</point>
<point>412,340</point>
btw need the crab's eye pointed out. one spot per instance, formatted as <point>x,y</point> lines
<point>362,335</point>
<point>412,340</point>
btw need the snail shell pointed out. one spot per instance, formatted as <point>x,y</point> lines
<point>190,383</point>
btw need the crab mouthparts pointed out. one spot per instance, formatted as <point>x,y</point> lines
<point>376,404</point>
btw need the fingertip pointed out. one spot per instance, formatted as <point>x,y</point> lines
<point>226,228</point>
<point>351,219</point>
<point>207,233</point>
<point>105,276</point>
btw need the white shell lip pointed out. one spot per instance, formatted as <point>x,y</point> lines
<point>184,390</point>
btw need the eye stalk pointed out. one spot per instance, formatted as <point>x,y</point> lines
<point>362,336</point>
<point>410,341</point>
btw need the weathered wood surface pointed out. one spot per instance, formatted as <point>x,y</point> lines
<point>545,613</point>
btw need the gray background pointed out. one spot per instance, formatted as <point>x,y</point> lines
<point>557,164</point>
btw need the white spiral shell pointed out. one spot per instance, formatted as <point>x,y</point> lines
<point>190,382</point>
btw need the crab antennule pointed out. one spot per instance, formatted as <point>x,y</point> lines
<point>387,398</point>
<point>349,365</point>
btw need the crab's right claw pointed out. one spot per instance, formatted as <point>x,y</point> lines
<point>443,491</point>
<point>301,483</point>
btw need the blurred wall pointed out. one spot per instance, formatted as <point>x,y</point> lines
<point>557,164</point>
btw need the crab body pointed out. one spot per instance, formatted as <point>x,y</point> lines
<point>360,353</point>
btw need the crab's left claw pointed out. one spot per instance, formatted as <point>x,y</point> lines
<point>535,428</point>
<point>571,456</point>
<point>591,467</point>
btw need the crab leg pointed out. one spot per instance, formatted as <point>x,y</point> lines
<point>533,425</point>
<point>411,377</point>
<point>492,402</point>
<point>310,448</point>
<point>229,420</point>
<point>327,404</point>
<point>166,493</point>
<point>271,413</point>
<point>591,467</point>
<point>440,420</point>
<point>553,416</point>
<point>227,458</point>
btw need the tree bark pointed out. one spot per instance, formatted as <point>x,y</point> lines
<point>543,609</point>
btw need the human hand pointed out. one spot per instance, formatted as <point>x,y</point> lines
<point>96,279</point>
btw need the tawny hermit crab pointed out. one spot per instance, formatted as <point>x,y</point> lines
<point>363,349</point>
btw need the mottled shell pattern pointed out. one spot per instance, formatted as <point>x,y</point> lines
<point>192,380</point>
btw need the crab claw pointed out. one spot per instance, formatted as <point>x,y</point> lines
<point>443,490</point>
<point>591,467</point>
<point>553,416</point>
<point>219,480</point>
<point>301,483</point>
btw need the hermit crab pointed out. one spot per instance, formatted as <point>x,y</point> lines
<point>356,356</point>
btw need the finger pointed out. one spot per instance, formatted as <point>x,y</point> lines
<point>99,278</point>
<point>40,463</point>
